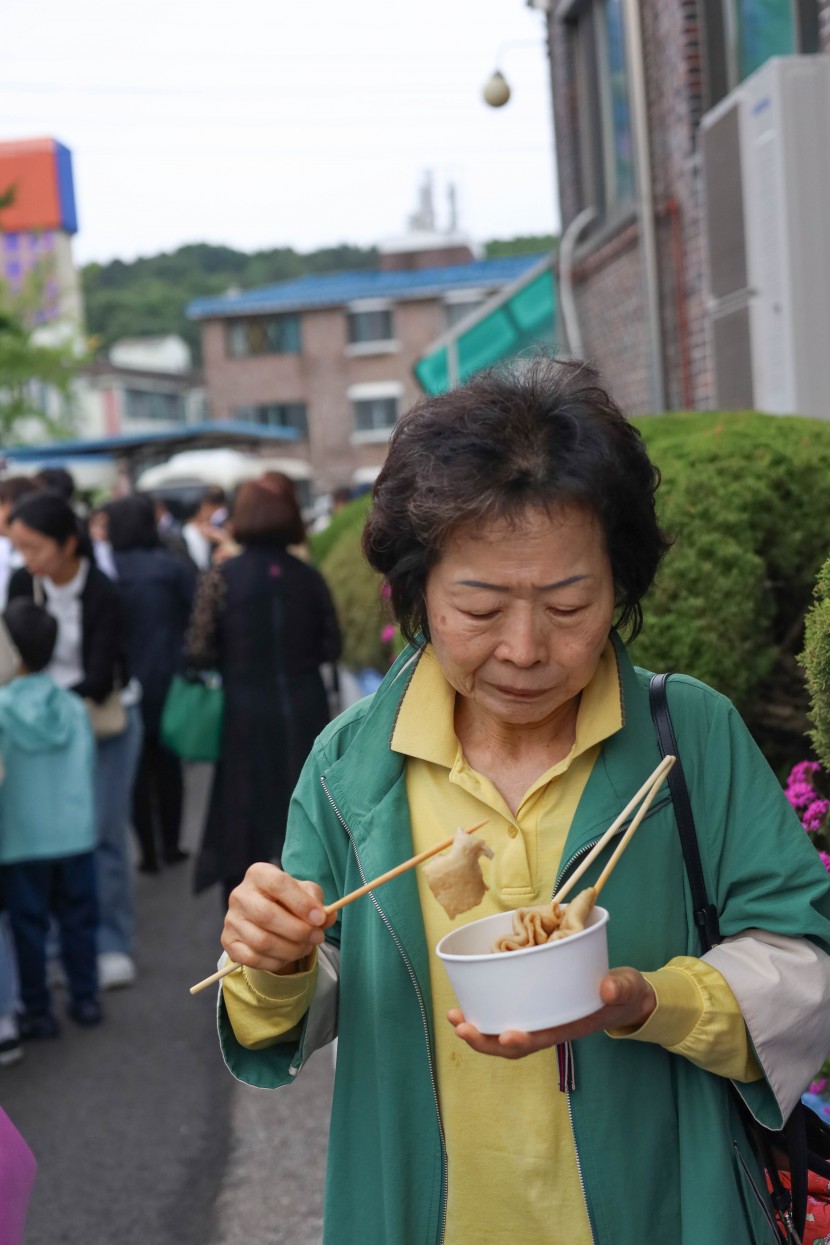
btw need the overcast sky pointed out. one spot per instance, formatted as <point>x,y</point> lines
<point>261,123</point>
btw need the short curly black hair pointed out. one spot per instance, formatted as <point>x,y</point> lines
<point>542,432</point>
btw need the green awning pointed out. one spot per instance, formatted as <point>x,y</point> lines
<point>516,319</point>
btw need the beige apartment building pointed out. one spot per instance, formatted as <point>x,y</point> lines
<point>332,357</point>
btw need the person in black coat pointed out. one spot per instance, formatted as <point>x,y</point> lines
<point>157,590</point>
<point>266,621</point>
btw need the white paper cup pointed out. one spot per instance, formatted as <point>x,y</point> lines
<point>533,988</point>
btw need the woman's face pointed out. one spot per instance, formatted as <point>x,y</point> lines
<point>44,557</point>
<point>519,613</point>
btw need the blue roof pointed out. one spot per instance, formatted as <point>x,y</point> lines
<point>215,434</point>
<point>308,293</point>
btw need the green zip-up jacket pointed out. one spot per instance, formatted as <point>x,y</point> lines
<point>663,1155</point>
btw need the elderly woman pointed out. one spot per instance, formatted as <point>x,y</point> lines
<point>514,521</point>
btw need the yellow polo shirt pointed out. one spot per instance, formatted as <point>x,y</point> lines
<point>512,1164</point>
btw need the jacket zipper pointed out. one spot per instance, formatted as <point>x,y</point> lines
<point>424,1021</point>
<point>787,1217</point>
<point>582,851</point>
<point>561,874</point>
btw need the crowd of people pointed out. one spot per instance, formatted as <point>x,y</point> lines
<point>101,610</point>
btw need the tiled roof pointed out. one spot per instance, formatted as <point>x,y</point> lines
<point>307,293</point>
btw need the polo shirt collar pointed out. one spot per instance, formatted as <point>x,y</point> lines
<point>425,726</point>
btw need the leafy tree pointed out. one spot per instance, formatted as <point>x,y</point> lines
<point>32,368</point>
<point>26,368</point>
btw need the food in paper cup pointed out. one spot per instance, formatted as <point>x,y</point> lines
<point>532,988</point>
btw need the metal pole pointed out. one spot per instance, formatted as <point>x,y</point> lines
<point>645,198</point>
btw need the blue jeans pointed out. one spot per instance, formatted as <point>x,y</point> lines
<point>8,969</point>
<point>115,769</point>
<point>34,890</point>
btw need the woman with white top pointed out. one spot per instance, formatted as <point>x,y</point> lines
<point>89,660</point>
<point>12,489</point>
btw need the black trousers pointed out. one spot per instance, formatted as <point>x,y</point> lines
<point>157,798</point>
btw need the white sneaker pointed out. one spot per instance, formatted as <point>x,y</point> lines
<point>115,969</point>
<point>11,1049</point>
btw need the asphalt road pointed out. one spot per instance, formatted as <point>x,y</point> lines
<point>141,1135</point>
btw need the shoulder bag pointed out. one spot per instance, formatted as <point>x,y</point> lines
<point>192,717</point>
<point>194,708</point>
<point>804,1139</point>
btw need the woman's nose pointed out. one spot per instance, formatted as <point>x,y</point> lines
<point>523,641</point>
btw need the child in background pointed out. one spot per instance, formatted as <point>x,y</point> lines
<point>47,826</point>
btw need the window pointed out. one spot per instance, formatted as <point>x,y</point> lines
<point>742,34</point>
<point>458,307</point>
<point>375,414</point>
<point>370,327</point>
<point>275,415</point>
<point>375,409</point>
<point>606,146</point>
<point>263,335</point>
<point>150,404</point>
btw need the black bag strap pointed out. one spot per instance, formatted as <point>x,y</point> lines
<point>705,914</point>
<point>793,1134</point>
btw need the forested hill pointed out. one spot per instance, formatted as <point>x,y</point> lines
<point>149,296</point>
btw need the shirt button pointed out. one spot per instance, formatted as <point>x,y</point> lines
<point>512,831</point>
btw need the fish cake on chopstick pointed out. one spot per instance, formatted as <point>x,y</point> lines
<point>455,877</point>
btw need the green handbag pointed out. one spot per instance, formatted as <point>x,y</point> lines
<point>191,720</point>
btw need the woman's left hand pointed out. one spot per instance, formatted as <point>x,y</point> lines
<point>628,1000</point>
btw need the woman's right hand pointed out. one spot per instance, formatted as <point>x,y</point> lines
<point>273,921</point>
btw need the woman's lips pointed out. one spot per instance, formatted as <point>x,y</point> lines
<point>519,693</point>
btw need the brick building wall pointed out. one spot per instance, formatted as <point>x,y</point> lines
<point>607,273</point>
<point>320,377</point>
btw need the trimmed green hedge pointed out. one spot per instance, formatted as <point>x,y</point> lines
<point>747,500</point>
<point>816,659</point>
<point>746,497</point>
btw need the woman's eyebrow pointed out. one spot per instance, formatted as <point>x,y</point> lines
<point>561,583</point>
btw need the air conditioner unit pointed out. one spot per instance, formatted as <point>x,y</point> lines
<point>765,154</point>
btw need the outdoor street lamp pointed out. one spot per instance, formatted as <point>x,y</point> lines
<point>496,90</point>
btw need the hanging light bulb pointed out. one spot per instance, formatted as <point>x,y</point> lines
<point>496,90</point>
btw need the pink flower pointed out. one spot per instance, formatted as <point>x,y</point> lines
<point>814,815</point>
<point>819,1086</point>
<point>804,771</point>
<point>800,795</point>
<point>388,633</point>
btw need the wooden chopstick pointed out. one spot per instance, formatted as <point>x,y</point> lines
<point>232,966</point>
<point>646,792</point>
<point>624,841</point>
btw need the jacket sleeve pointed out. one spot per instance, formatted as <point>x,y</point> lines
<point>103,639</point>
<point>782,986</point>
<point>772,894</point>
<point>20,584</point>
<point>331,640</point>
<point>306,856</point>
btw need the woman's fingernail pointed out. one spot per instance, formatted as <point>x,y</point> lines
<point>316,916</point>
